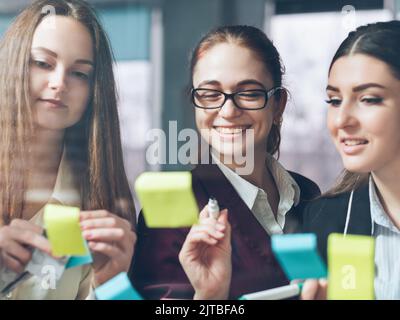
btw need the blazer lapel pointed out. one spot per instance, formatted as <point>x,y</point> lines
<point>214,183</point>
<point>360,218</point>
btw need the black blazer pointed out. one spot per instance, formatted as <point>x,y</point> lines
<point>327,215</point>
<point>156,271</point>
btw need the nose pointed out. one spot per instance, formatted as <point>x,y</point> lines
<point>345,116</point>
<point>229,110</point>
<point>57,80</point>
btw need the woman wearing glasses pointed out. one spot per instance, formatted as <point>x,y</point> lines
<point>236,76</point>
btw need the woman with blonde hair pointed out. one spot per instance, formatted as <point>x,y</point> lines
<point>60,143</point>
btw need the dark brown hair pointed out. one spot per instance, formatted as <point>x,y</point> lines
<point>381,41</point>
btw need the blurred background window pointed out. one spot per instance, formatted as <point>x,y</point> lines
<point>152,41</point>
<point>307,43</point>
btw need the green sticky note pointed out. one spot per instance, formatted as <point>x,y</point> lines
<point>63,230</point>
<point>167,199</point>
<point>351,267</point>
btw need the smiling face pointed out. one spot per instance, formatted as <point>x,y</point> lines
<point>230,68</point>
<point>364,113</point>
<point>60,72</point>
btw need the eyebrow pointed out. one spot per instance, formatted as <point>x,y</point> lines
<point>358,88</point>
<point>53,54</point>
<point>241,83</point>
<point>208,82</point>
<point>250,81</point>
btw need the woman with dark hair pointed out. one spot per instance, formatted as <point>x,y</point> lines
<point>60,144</point>
<point>237,92</point>
<point>364,121</point>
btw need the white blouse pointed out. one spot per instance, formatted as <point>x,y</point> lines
<point>256,198</point>
<point>387,250</point>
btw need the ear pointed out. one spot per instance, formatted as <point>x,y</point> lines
<point>280,105</point>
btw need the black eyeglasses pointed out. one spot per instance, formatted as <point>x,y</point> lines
<point>254,99</point>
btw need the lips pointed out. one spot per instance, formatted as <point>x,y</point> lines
<point>54,103</point>
<point>231,129</point>
<point>353,141</point>
<point>353,145</point>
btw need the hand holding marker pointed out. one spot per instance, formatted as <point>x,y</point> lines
<point>272,294</point>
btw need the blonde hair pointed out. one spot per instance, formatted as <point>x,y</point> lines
<point>93,144</point>
<point>346,182</point>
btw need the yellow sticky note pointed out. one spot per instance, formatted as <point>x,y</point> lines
<point>167,199</point>
<point>63,230</point>
<point>351,267</point>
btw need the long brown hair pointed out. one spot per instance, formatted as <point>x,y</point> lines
<point>255,40</point>
<point>380,40</point>
<point>93,144</point>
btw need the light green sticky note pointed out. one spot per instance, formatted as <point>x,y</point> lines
<point>63,230</point>
<point>351,267</point>
<point>167,199</point>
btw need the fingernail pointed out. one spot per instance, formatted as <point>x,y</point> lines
<point>219,234</point>
<point>220,226</point>
<point>88,235</point>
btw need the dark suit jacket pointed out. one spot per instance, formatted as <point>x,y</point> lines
<point>325,215</point>
<point>156,271</point>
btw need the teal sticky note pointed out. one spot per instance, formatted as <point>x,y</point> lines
<point>167,199</point>
<point>351,262</point>
<point>298,256</point>
<point>117,288</point>
<point>76,261</point>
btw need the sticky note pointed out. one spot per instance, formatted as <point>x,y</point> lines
<point>351,267</point>
<point>167,199</point>
<point>298,256</point>
<point>63,230</point>
<point>76,261</point>
<point>117,288</point>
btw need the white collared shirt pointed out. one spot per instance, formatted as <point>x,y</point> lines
<point>387,249</point>
<point>256,198</point>
<point>75,283</point>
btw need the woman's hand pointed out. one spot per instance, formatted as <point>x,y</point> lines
<point>314,289</point>
<point>17,241</point>
<point>206,256</point>
<point>111,240</point>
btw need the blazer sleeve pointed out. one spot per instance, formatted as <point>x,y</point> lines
<point>155,270</point>
<point>324,216</point>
